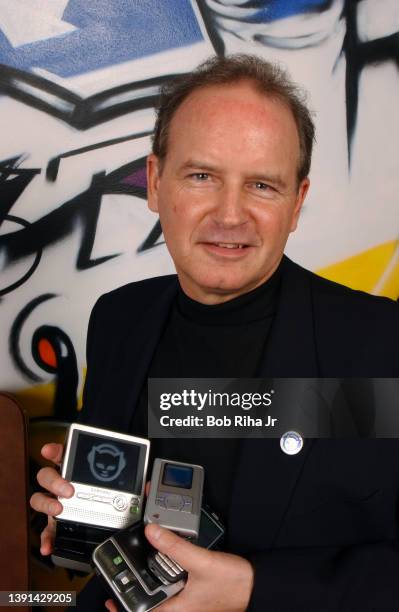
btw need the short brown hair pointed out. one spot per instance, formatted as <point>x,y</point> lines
<point>268,78</point>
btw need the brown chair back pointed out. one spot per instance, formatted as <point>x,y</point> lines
<point>14,513</point>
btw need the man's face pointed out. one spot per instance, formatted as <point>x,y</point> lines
<point>227,194</point>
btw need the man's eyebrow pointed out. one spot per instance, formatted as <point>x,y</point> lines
<point>195,164</point>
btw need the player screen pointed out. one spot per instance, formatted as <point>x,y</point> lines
<point>177,476</point>
<point>106,462</point>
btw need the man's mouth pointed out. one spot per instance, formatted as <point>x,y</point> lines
<point>227,249</point>
<point>228,245</point>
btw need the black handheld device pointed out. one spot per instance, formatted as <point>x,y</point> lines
<point>138,575</point>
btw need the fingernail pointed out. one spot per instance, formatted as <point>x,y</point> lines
<point>66,490</point>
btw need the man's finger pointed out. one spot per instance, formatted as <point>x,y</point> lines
<point>189,556</point>
<point>53,452</point>
<point>46,504</point>
<point>47,538</point>
<point>147,488</point>
<point>110,605</point>
<point>174,604</point>
<point>49,479</point>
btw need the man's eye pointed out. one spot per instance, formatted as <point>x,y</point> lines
<point>200,176</point>
<point>262,186</point>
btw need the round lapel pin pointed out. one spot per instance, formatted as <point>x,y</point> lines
<point>291,442</point>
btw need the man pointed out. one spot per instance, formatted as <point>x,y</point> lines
<point>228,176</point>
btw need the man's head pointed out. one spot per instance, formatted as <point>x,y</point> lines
<point>228,173</point>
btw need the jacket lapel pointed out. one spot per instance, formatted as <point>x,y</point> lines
<point>137,364</point>
<point>291,349</point>
<point>266,476</point>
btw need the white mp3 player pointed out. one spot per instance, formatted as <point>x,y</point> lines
<point>108,472</point>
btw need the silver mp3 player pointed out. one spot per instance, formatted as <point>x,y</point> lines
<point>175,496</point>
<point>108,471</point>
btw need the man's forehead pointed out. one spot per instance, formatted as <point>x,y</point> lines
<point>216,99</point>
<point>232,117</point>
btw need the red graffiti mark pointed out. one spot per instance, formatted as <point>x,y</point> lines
<point>47,353</point>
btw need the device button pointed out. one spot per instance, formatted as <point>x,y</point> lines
<point>160,559</point>
<point>83,496</point>
<point>134,501</point>
<point>120,502</point>
<point>117,560</point>
<point>167,569</point>
<point>188,504</point>
<point>172,564</point>
<point>124,580</point>
<point>174,502</point>
<point>160,501</point>
<point>179,567</point>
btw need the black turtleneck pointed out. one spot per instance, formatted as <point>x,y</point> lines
<point>211,341</point>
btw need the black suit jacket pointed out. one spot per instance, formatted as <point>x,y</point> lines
<point>320,527</point>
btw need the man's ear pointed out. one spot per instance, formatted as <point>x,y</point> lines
<point>153,172</point>
<point>300,198</point>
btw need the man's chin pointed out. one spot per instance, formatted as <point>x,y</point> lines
<point>212,288</point>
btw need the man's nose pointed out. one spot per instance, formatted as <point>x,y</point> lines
<point>230,209</point>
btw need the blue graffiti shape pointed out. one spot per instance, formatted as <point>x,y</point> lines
<point>266,11</point>
<point>105,33</point>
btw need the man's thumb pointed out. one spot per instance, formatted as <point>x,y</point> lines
<point>189,556</point>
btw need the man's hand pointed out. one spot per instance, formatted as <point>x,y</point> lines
<point>49,479</point>
<point>216,581</point>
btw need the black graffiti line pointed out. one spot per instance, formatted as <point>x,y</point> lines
<point>65,368</point>
<point>12,188</point>
<point>152,238</point>
<point>32,268</point>
<point>104,106</point>
<point>80,113</point>
<point>27,87</point>
<point>115,179</point>
<point>89,215</point>
<point>358,55</point>
<point>53,165</point>
<point>57,225</point>
<point>61,222</point>
<point>15,333</point>
<point>211,28</point>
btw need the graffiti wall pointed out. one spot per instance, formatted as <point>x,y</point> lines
<point>78,83</point>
